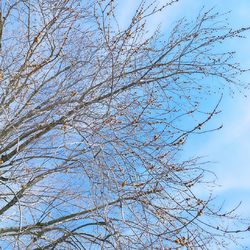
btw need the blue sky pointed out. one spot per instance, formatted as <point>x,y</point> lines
<point>228,148</point>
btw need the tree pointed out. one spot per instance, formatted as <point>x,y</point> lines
<point>92,120</point>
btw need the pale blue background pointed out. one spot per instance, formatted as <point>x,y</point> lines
<point>229,147</point>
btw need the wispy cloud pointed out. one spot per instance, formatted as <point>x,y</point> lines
<point>229,147</point>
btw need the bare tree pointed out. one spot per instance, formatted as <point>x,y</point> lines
<point>92,120</point>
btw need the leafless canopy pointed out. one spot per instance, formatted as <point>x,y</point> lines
<point>92,119</point>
